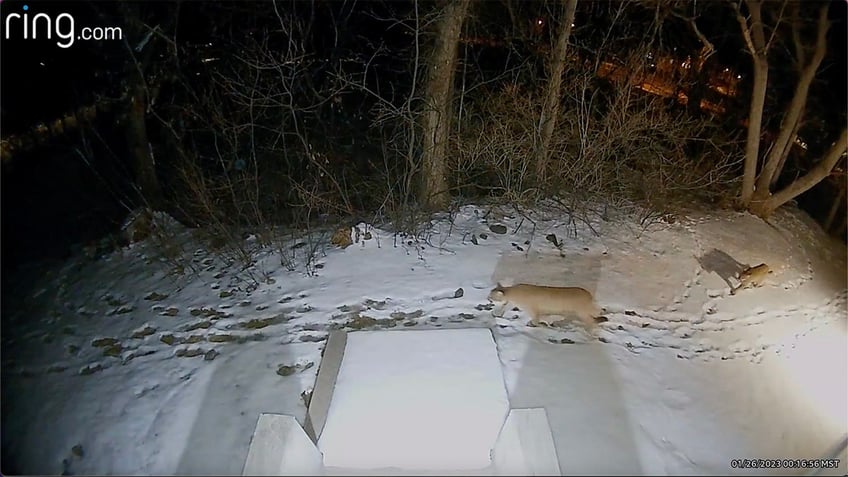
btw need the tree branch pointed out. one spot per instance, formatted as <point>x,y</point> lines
<point>796,106</point>
<point>813,177</point>
<point>701,37</point>
<point>796,35</point>
<point>746,30</point>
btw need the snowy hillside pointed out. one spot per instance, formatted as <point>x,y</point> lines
<point>122,366</point>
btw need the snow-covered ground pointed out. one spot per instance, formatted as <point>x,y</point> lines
<point>122,366</point>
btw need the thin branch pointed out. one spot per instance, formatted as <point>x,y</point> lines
<point>746,30</point>
<point>776,25</point>
<point>701,37</point>
<point>796,35</point>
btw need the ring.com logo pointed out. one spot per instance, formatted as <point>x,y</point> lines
<point>63,26</point>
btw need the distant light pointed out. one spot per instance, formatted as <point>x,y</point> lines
<point>572,25</point>
<point>41,63</point>
<point>738,76</point>
<point>539,22</point>
<point>208,60</point>
<point>726,70</point>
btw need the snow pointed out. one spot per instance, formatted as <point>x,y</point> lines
<point>682,378</point>
<point>416,400</point>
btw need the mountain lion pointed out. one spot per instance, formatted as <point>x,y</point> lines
<point>752,277</point>
<point>540,301</point>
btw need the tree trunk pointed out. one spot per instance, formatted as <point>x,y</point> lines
<point>783,157</point>
<point>138,145</point>
<point>836,206</point>
<point>755,118</point>
<point>135,132</point>
<point>697,91</point>
<point>550,109</point>
<point>785,137</point>
<point>804,183</point>
<point>434,192</point>
<point>755,40</point>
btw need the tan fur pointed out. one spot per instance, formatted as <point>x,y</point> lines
<point>752,277</point>
<point>539,301</point>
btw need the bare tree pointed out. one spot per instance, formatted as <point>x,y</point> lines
<point>805,182</point>
<point>756,194</point>
<point>138,98</point>
<point>755,40</point>
<point>550,108</point>
<point>437,115</point>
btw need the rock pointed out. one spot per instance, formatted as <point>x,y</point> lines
<point>210,355</point>
<point>398,316</point>
<point>56,368</point>
<point>474,239</point>
<point>168,339</point>
<point>205,324</point>
<point>137,353</point>
<point>258,323</point>
<point>351,308</point>
<point>113,351</point>
<point>484,236</point>
<point>377,305</point>
<point>459,293</point>
<point>90,369</point>
<point>284,370</point>
<point>146,330</point>
<point>497,229</point>
<point>552,238</point>
<point>154,296</point>
<point>77,451</point>
<point>312,338</point>
<point>221,338</point>
<point>188,352</point>
<point>104,342</point>
<point>193,339</point>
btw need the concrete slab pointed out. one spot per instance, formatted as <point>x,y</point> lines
<point>523,446</point>
<point>279,446</point>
